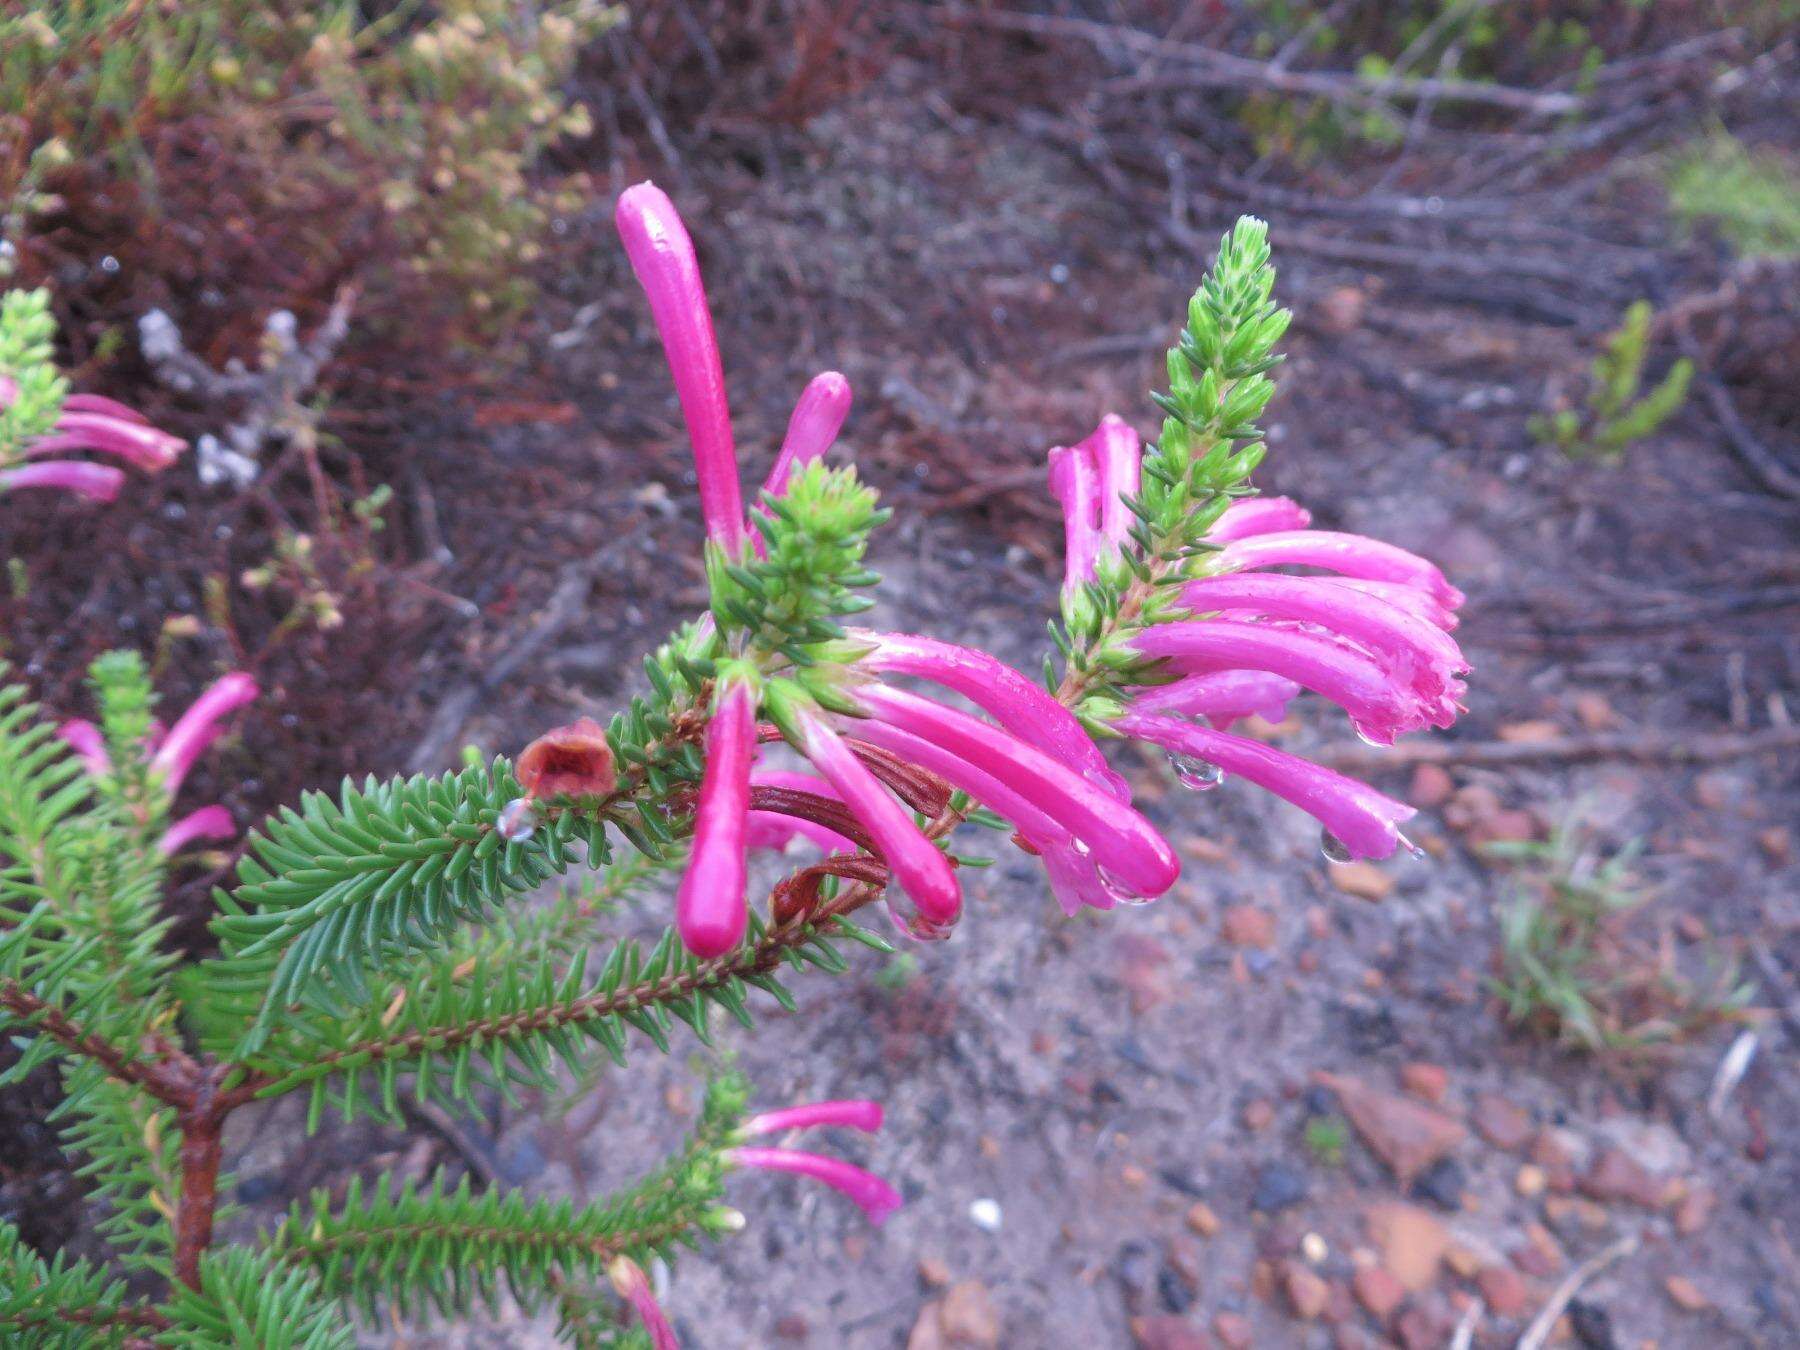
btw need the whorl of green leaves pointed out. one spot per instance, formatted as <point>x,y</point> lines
<point>60,1304</point>
<point>647,749</point>
<point>445,1250</point>
<point>461,1025</point>
<point>245,1299</point>
<point>127,704</point>
<point>26,332</point>
<point>41,787</point>
<point>1210,443</point>
<point>130,1155</point>
<point>813,575</point>
<point>344,887</point>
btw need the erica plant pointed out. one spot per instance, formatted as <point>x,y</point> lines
<point>379,944</point>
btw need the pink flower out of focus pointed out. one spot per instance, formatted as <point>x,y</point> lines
<point>89,422</point>
<point>631,1284</point>
<point>199,727</point>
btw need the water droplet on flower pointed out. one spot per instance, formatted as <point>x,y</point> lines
<point>1409,846</point>
<point>517,819</point>
<point>911,923</point>
<point>1367,739</point>
<point>1334,849</point>
<point>1119,891</point>
<point>1195,773</point>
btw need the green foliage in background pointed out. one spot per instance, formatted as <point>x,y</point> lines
<point>35,386</point>
<point>1752,197</point>
<point>426,118</point>
<point>1616,411</point>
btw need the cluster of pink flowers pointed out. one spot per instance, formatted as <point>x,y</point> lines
<point>1373,636</point>
<point>1036,767</point>
<point>89,422</point>
<point>172,755</point>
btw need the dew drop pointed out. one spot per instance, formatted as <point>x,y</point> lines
<point>911,923</point>
<point>517,819</point>
<point>1119,891</point>
<point>1334,849</point>
<point>1367,739</point>
<point>1194,773</point>
<point>1409,846</point>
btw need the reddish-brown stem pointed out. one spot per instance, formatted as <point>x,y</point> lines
<point>166,1080</point>
<point>202,1138</point>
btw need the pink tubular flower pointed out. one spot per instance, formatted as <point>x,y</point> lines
<point>1121,842</point>
<point>1075,482</point>
<point>1118,462</point>
<point>209,822</point>
<point>1380,706</point>
<point>137,443</point>
<point>922,871</point>
<point>1409,598</point>
<point>1015,702</point>
<point>871,1194</point>
<point>199,727</point>
<point>86,740</point>
<point>104,406</point>
<point>1364,820</point>
<point>1075,878</point>
<point>1258,515</point>
<point>709,905</point>
<point>96,482</point>
<point>1222,696</point>
<point>817,419</point>
<point>630,1283</point>
<point>853,1114</point>
<point>1350,555</point>
<point>1413,650</point>
<point>663,258</point>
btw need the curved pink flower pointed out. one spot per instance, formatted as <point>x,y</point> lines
<point>1351,555</point>
<point>853,1114</point>
<point>871,1194</point>
<point>1379,705</point>
<point>1123,844</point>
<point>1258,515</point>
<point>918,866</point>
<point>134,441</point>
<point>1403,596</point>
<point>816,421</point>
<point>1366,821</point>
<point>88,741</point>
<point>709,904</point>
<point>105,407</point>
<point>199,727</point>
<point>1223,696</point>
<point>1019,704</point>
<point>1075,878</point>
<point>1075,482</point>
<point>1118,462</point>
<point>1420,653</point>
<point>209,822</point>
<point>630,1283</point>
<point>663,258</point>
<point>96,482</point>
